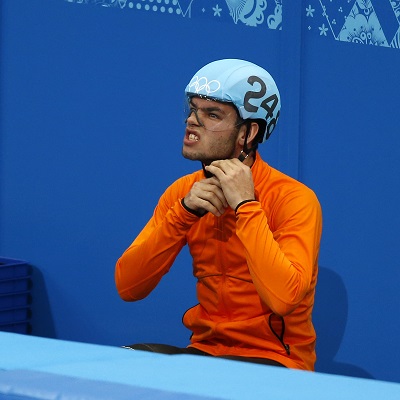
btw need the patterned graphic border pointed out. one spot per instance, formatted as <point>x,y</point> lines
<point>252,13</point>
<point>368,22</point>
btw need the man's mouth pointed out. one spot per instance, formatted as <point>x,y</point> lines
<point>193,137</point>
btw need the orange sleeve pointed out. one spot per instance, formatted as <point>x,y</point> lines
<point>282,261</point>
<point>150,256</point>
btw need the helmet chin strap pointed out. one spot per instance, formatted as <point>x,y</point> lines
<point>243,155</point>
<point>245,152</point>
<point>207,174</point>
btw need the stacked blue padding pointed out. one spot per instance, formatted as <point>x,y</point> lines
<point>15,296</point>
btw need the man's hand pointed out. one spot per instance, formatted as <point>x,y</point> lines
<point>235,180</point>
<point>206,195</point>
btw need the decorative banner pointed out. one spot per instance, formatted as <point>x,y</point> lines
<point>252,13</point>
<point>375,22</point>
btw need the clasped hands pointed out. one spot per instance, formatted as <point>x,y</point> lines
<point>231,184</point>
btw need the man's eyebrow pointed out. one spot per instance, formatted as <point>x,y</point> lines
<point>209,109</point>
<point>215,108</point>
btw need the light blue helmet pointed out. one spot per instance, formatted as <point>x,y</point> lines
<point>250,88</point>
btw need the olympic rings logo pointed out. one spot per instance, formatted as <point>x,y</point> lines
<point>197,85</point>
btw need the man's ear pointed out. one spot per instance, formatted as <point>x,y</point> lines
<point>253,131</point>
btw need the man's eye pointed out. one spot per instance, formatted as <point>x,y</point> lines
<point>213,116</point>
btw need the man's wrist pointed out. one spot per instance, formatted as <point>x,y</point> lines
<point>194,212</point>
<point>243,202</point>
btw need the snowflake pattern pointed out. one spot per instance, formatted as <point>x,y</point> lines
<point>362,26</point>
<point>370,22</point>
<point>217,11</point>
<point>396,8</point>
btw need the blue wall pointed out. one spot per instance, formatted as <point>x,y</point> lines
<point>91,129</point>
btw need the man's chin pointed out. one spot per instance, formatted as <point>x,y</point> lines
<point>190,156</point>
<point>200,157</point>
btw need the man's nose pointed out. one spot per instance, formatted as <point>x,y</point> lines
<point>193,118</point>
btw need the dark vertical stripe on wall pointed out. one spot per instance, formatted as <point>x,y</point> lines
<point>290,88</point>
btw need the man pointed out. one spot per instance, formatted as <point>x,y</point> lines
<point>253,232</point>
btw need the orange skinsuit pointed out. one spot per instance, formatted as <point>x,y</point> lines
<point>256,271</point>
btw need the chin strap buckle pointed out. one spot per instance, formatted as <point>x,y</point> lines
<point>242,156</point>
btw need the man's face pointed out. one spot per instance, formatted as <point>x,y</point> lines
<point>211,131</point>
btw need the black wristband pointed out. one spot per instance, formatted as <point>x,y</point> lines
<point>243,202</point>
<point>194,212</point>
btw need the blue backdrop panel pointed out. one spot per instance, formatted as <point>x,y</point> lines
<point>92,125</point>
<point>350,155</point>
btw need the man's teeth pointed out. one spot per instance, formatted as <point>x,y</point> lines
<point>193,137</point>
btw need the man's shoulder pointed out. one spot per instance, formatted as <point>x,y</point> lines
<point>272,180</point>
